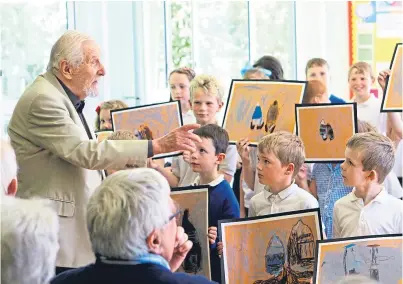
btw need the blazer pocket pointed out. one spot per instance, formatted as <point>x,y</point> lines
<point>64,208</point>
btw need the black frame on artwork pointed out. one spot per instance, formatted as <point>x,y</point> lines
<point>330,105</point>
<point>289,213</point>
<point>256,80</point>
<point>387,83</point>
<point>319,243</point>
<point>162,156</point>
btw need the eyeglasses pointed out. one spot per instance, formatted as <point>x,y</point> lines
<point>174,215</point>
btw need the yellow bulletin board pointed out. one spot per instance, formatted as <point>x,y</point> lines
<point>375,27</point>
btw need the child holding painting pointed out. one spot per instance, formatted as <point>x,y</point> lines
<point>205,161</point>
<point>280,156</point>
<point>368,209</point>
<point>206,101</point>
<point>103,120</point>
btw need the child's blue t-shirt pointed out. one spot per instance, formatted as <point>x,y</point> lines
<point>336,100</point>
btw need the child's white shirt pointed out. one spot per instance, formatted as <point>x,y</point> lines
<point>383,215</point>
<point>290,199</point>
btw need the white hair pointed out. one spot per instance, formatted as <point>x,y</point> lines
<point>125,209</point>
<point>8,165</point>
<point>356,279</point>
<point>68,47</point>
<point>29,241</point>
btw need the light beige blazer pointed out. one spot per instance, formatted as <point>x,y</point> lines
<point>57,161</point>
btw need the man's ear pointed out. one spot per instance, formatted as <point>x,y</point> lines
<point>154,241</point>
<point>12,187</point>
<point>290,169</point>
<point>66,70</point>
<point>373,176</point>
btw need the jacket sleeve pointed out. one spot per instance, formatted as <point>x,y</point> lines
<point>51,127</point>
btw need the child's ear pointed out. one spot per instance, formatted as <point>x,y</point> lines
<point>191,105</point>
<point>290,169</point>
<point>220,105</point>
<point>220,157</point>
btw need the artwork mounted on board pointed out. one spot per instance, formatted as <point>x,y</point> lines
<point>376,257</point>
<point>277,248</point>
<point>325,130</point>
<point>392,98</point>
<point>256,108</point>
<point>150,121</point>
<point>193,202</point>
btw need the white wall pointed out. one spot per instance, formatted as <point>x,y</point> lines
<point>322,31</point>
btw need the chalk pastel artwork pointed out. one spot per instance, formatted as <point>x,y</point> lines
<point>256,108</point>
<point>325,130</point>
<point>392,98</point>
<point>193,201</point>
<point>149,122</point>
<point>376,257</point>
<point>278,248</point>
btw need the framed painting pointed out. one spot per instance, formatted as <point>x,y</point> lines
<point>392,98</point>
<point>277,248</point>
<point>256,108</point>
<point>149,121</point>
<point>193,202</point>
<point>325,130</point>
<point>376,257</point>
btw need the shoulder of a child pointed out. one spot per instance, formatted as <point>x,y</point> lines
<point>257,197</point>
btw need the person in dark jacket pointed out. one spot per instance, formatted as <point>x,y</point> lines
<point>134,235</point>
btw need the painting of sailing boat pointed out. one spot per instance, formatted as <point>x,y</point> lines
<point>277,248</point>
<point>376,257</point>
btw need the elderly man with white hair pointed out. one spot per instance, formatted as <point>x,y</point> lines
<point>29,233</point>
<point>8,168</point>
<point>57,156</point>
<point>133,231</point>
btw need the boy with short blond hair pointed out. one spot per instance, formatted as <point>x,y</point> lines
<point>318,69</point>
<point>280,156</point>
<point>206,99</point>
<point>368,209</point>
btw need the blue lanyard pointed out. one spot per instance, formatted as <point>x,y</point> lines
<point>144,259</point>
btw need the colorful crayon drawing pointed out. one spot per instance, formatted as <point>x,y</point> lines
<point>325,130</point>
<point>376,257</point>
<point>193,201</point>
<point>258,108</point>
<point>149,122</point>
<point>393,100</point>
<point>278,248</point>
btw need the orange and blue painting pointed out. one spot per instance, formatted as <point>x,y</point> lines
<point>393,100</point>
<point>325,130</point>
<point>278,248</point>
<point>149,122</point>
<point>256,108</point>
<point>376,257</point>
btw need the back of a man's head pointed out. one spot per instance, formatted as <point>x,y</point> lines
<point>8,168</point>
<point>126,208</point>
<point>29,241</point>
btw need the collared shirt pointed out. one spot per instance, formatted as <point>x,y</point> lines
<point>291,198</point>
<point>383,215</point>
<point>78,105</point>
<point>330,188</point>
<point>370,111</point>
<point>215,182</point>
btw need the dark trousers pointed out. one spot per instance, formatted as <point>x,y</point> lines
<point>62,269</point>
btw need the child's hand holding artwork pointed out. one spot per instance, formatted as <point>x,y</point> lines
<point>212,234</point>
<point>382,78</point>
<point>243,150</point>
<point>220,247</point>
